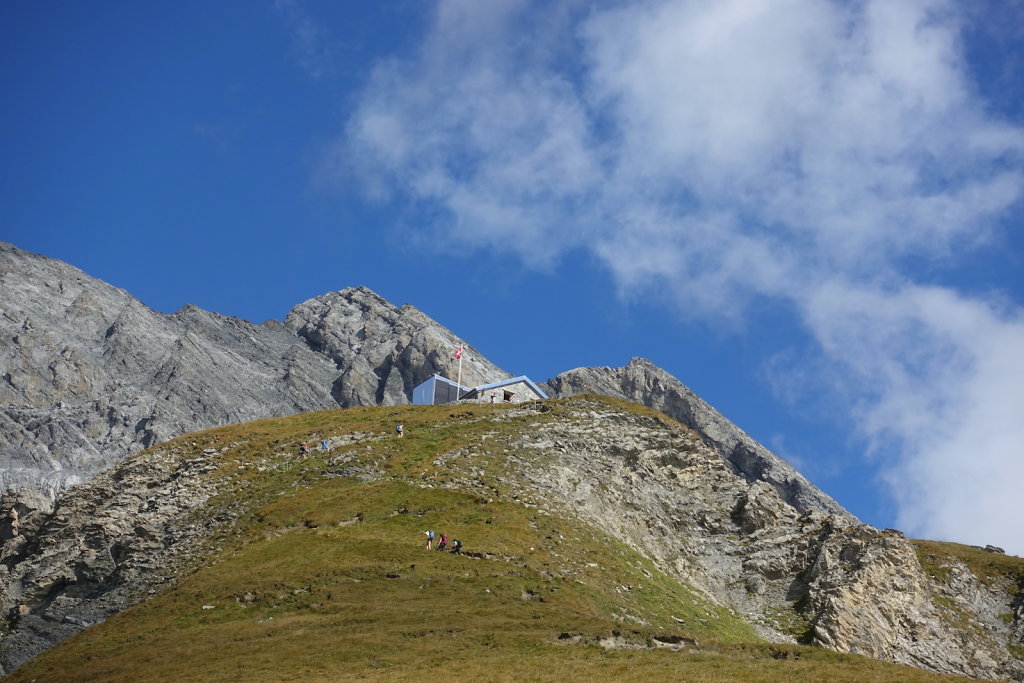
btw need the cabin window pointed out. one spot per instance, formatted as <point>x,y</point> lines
<point>509,395</point>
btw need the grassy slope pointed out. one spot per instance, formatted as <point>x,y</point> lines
<point>989,567</point>
<point>1002,572</point>
<point>326,577</point>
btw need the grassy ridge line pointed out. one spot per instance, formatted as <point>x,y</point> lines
<point>995,570</point>
<point>324,577</point>
<point>986,566</point>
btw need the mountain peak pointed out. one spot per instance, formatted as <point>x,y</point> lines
<point>95,375</point>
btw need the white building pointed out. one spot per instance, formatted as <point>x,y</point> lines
<point>436,391</point>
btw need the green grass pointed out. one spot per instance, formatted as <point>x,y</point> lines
<point>1004,572</point>
<point>787,620</point>
<point>325,578</point>
<point>988,567</point>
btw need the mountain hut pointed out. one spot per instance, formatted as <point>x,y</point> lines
<point>437,390</point>
<point>514,390</point>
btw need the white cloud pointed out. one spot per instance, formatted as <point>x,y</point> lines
<point>717,153</point>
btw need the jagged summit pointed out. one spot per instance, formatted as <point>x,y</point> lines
<point>383,351</point>
<point>91,374</point>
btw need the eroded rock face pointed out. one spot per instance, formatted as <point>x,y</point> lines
<point>659,487</point>
<point>108,544</point>
<point>795,574</point>
<point>384,351</point>
<point>867,594</point>
<point>643,382</point>
<point>88,374</point>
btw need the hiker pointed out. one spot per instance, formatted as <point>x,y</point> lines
<point>457,546</point>
<point>430,540</point>
<point>400,430</point>
<point>441,544</point>
<point>323,445</point>
<point>305,448</point>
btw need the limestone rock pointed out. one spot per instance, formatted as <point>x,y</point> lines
<point>386,351</point>
<point>837,583</point>
<point>645,383</point>
<point>640,478</point>
<point>89,375</point>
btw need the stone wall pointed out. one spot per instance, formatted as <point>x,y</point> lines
<point>521,392</point>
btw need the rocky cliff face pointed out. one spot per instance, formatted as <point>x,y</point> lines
<point>643,382</point>
<point>382,351</point>
<point>88,374</point>
<point>795,574</point>
<point>642,479</point>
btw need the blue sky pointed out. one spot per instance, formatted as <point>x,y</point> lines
<point>808,211</point>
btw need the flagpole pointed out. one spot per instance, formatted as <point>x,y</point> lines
<point>458,382</point>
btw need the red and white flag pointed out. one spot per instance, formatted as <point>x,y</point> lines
<point>458,353</point>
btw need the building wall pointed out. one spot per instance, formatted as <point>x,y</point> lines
<point>445,392</point>
<point>422,395</point>
<point>434,391</point>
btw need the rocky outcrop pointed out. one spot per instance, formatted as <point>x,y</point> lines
<point>642,479</point>
<point>107,545</point>
<point>88,374</point>
<point>643,382</point>
<point>867,594</point>
<point>383,351</point>
<point>795,574</point>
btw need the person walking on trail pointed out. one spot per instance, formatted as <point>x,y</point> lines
<point>323,445</point>
<point>400,430</point>
<point>430,540</point>
<point>457,546</point>
<point>441,544</point>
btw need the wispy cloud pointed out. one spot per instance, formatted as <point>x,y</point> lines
<point>716,154</point>
<point>311,44</point>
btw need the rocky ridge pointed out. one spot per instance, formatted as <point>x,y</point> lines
<point>642,479</point>
<point>382,352</point>
<point>795,574</point>
<point>643,382</point>
<point>89,375</point>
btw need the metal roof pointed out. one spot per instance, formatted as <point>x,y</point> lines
<point>446,380</point>
<point>514,380</point>
<point>442,378</point>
